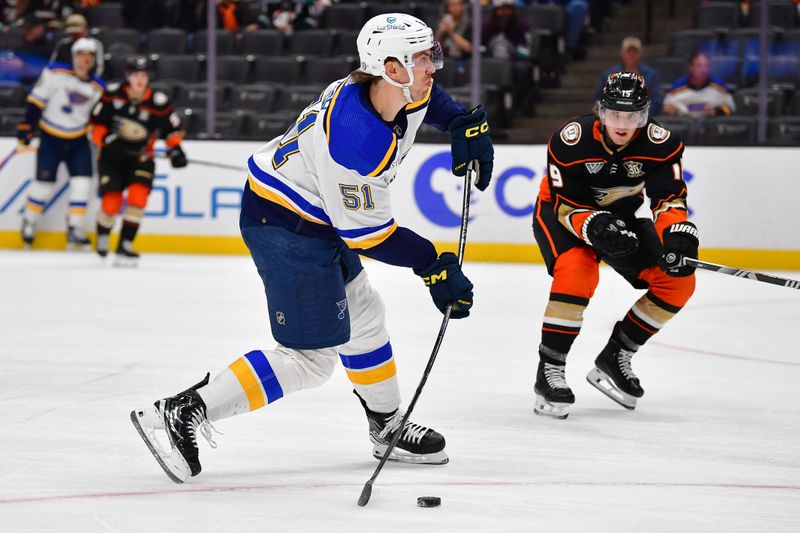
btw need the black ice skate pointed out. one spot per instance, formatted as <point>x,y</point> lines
<point>101,246</point>
<point>553,396</point>
<point>125,256</point>
<point>614,377</point>
<point>28,232</point>
<point>417,444</point>
<point>77,239</point>
<point>180,417</point>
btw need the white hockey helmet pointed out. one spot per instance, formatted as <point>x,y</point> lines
<point>397,36</point>
<point>84,44</point>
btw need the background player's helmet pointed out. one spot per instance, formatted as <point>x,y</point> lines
<point>136,64</point>
<point>84,44</point>
<point>398,36</point>
<point>625,93</point>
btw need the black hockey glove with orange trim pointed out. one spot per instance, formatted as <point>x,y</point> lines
<point>680,240</point>
<point>448,285</point>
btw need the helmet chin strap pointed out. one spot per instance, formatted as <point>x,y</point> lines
<point>405,86</point>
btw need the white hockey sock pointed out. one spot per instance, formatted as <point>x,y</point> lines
<point>261,377</point>
<point>80,188</point>
<point>38,195</point>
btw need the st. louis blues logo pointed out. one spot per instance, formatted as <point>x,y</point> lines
<point>342,305</point>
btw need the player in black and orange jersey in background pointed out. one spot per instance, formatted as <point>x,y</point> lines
<point>599,167</point>
<point>126,124</point>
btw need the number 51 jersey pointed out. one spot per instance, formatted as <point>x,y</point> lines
<point>329,174</point>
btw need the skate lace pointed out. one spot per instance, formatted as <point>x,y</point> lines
<point>554,374</point>
<point>199,422</point>
<point>411,432</point>
<point>624,359</point>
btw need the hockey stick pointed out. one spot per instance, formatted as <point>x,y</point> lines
<point>469,179</point>
<point>739,273</point>
<point>216,165</point>
<point>17,150</point>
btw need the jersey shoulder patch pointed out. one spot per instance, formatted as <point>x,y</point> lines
<point>357,139</point>
<point>657,134</point>
<point>571,133</point>
<point>160,99</point>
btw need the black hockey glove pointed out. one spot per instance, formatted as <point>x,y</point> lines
<point>609,236</point>
<point>680,240</point>
<point>24,133</point>
<point>470,139</point>
<point>177,157</point>
<point>448,284</point>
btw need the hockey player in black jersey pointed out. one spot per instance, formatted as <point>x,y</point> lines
<point>126,123</point>
<point>598,168</point>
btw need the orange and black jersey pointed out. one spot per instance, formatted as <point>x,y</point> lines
<point>585,175</point>
<point>137,124</point>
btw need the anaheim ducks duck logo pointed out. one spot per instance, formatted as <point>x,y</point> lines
<point>130,130</point>
<point>571,134</point>
<point>605,197</point>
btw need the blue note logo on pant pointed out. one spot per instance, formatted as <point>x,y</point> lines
<point>342,305</point>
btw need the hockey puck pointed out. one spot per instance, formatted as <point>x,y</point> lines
<point>429,501</point>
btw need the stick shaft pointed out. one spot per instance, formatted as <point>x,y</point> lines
<point>462,241</point>
<point>741,273</point>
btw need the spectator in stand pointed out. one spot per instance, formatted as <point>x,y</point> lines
<point>75,27</point>
<point>35,37</point>
<point>575,12</point>
<point>455,29</point>
<point>630,54</point>
<point>699,95</point>
<point>505,34</point>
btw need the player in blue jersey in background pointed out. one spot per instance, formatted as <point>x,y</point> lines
<point>315,199</point>
<point>60,105</point>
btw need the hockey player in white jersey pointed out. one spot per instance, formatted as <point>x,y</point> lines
<point>315,199</point>
<point>60,105</point>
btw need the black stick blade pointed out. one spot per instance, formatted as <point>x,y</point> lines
<point>366,492</point>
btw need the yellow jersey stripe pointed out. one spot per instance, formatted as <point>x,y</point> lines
<point>372,241</point>
<point>382,165</point>
<point>422,102</point>
<point>330,112</point>
<point>376,375</point>
<point>55,132</point>
<point>267,194</point>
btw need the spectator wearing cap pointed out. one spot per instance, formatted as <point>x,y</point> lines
<point>455,29</point>
<point>630,54</point>
<point>699,95</point>
<point>75,27</point>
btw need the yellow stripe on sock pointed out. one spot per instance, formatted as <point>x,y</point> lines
<point>249,382</point>
<point>376,375</point>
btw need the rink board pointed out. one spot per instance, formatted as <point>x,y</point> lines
<point>742,199</point>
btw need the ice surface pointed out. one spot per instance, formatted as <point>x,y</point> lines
<point>714,445</point>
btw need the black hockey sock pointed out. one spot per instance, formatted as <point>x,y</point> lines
<point>128,232</point>
<point>562,322</point>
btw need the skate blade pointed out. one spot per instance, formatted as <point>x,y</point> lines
<point>557,410</point>
<point>402,456</point>
<point>126,262</point>
<point>603,382</point>
<point>179,471</point>
<point>76,247</point>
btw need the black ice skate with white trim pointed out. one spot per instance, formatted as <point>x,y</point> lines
<point>180,417</point>
<point>553,396</point>
<point>28,232</point>
<point>125,256</point>
<point>417,444</point>
<point>614,377</point>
